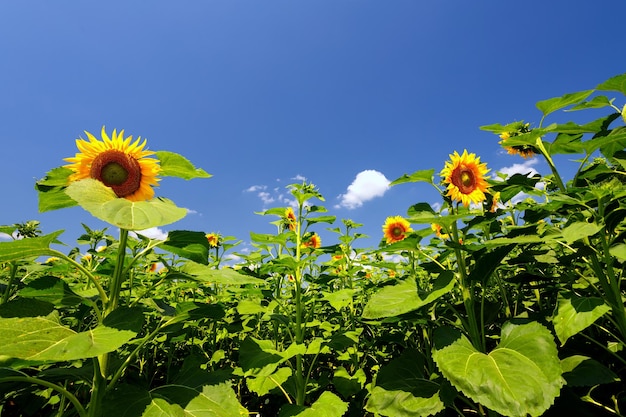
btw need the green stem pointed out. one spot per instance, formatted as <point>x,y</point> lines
<point>7,292</point>
<point>546,155</point>
<point>61,390</point>
<point>299,331</point>
<point>467,292</point>
<point>116,280</point>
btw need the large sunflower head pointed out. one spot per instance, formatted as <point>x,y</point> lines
<point>117,162</point>
<point>465,176</point>
<point>214,239</point>
<point>290,219</point>
<point>396,228</point>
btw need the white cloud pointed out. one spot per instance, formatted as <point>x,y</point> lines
<point>153,233</point>
<point>255,188</point>
<point>525,168</point>
<point>191,211</point>
<point>299,178</point>
<point>367,185</point>
<point>265,197</point>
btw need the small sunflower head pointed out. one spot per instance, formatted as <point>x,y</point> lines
<point>313,242</point>
<point>465,178</point>
<point>396,229</point>
<point>438,231</point>
<point>117,162</point>
<point>525,151</point>
<point>289,219</point>
<point>214,239</point>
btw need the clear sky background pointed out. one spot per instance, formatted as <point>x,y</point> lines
<point>263,93</point>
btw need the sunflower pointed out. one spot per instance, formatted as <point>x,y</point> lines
<point>290,219</point>
<point>395,229</point>
<point>118,163</point>
<point>437,229</point>
<point>525,151</point>
<point>313,242</point>
<point>495,199</point>
<point>465,176</point>
<point>213,239</point>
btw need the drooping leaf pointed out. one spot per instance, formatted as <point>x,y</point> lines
<point>51,289</point>
<point>617,83</point>
<point>575,314</point>
<point>263,384</point>
<point>175,165</point>
<point>51,190</point>
<point>521,376</point>
<point>102,203</point>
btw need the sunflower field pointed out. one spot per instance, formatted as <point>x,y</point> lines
<point>505,299</point>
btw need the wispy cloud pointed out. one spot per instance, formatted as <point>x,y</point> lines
<point>367,185</point>
<point>272,195</point>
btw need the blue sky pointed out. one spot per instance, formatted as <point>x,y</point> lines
<point>263,93</point>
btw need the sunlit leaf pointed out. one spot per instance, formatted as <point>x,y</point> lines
<point>212,401</point>
<point>327,405</point>
<point>425,175</point>
<point>175,165</point>
<point>102,203</point>
<point>24,248</point>
<point>223,276</point>
<point>189,245</point>
<point>51,289</point>
<point>521,376</point>
<point>580,230</point>
<point>51,190</point>
<point>617,83</point>
<point>262,384</point>
<point>40,338</point>
<point>575,314</point>
<point>596,102</point>
<point>553,104</point>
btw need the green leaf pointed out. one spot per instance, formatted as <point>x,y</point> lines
<point>189,245</point>
<point>618,251</point>
<point>223,276</point>
<point>175,165</point>
<point>597,102</point>
<point>580,230</point>
<point>327,405</point>
<point>212,401</point>
<point>425,175</point>
<point>553,104</point>
<point>51,289</point>
<point>521,376</point>
<point>51,190</point>
<point>24,248</point>
<point>262,385</point>
<point>347,385</point>
<point>41,338</point>
<point>582,371</point>
<point>102,203</point>
<point>404,297</point>
<point>575,314</point>
<point>402,390</point>
<point>339,299</point>
<point>617,83</point>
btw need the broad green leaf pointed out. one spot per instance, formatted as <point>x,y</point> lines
<point>223,276</point>
<point>260,357</point>
<point>212,401</point>
<point>26,307</point>
<point>580,230</point>
<point>521,376</point>
<point>189,245</point>
<point>618,251</point>
<point>262,385</point>
<point>175,165</point>
<point>425,175</point>
<point>327,405</point>
<point>51,289</point>
<point>24,248</point>
<point>597,102</point>
<point>40,338</point>
<point>102,203</point>
<point>582,371</point>
<point>339,299</point>
<point>347,385</point>
<point>404,297</point>
<point>522,239</point>
<point>402,389</point>
<point>575,314</point>
<point>51,190</point>
<point>617,83</point>
<point>269,239</point>
<point>553,104</point>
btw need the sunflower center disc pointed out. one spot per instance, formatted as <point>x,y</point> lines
<point>397,231</point>
<point>113,174</point>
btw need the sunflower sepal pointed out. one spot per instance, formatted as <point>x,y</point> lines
<point>175,165</point>
<point>51,190</point>
<point>102,202</point>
